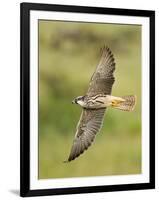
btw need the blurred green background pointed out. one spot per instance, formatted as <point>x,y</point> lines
<point>68,55</point>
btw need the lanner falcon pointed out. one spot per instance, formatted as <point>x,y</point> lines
<point>95,102</point>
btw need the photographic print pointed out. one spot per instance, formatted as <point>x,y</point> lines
<point>69,54</point>
<point>87,83</point>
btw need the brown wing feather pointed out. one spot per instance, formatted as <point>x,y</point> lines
<point>89,124</point>
<point>103,78</point>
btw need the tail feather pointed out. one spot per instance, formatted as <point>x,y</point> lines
<point>127,105</point>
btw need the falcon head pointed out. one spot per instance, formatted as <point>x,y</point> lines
<point>79,100</point>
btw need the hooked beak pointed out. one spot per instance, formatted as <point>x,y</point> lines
<point>73,102</point>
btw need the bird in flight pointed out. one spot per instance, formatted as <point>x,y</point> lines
<point>95,103</point>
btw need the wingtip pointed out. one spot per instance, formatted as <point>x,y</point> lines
<point>105,48</point>
<point>69,160</point>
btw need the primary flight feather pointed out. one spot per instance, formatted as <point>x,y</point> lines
<point>95,102</point>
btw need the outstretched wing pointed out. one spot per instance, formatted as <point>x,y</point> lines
<point>88,125</point>
<point>103,78</point>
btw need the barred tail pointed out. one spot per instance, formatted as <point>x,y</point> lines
<point>128,103</point>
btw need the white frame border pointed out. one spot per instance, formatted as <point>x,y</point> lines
<point>86,181</point>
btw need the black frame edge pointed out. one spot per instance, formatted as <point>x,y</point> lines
<point>24,102</point>
<point>93,189</point>
<point>85,9</point>
<point>152,98</point>
<point>25,190</point>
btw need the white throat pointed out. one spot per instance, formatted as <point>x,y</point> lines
<point>81,103</point>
